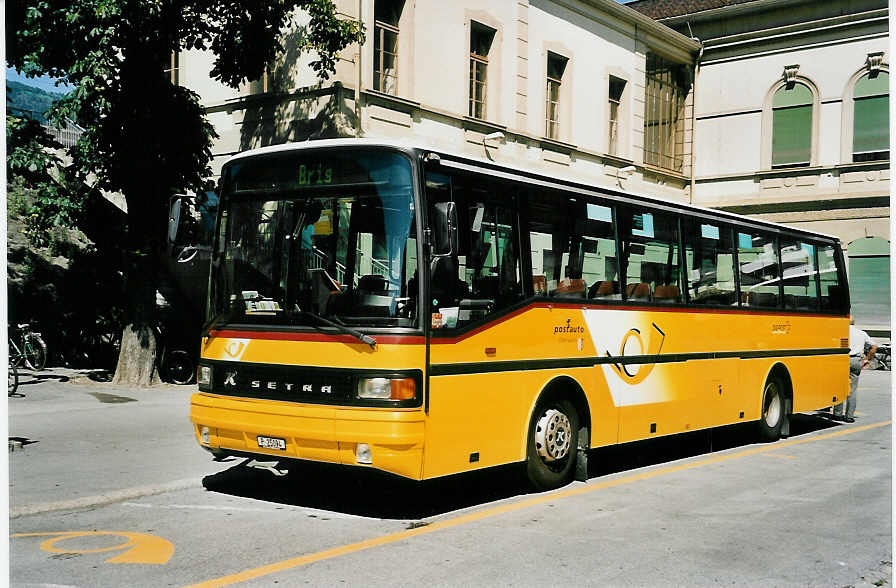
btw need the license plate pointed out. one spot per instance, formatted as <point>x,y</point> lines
<point>271,443</point>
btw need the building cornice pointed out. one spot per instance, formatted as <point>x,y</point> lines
<point>620,12</point>
<point>803,28</point>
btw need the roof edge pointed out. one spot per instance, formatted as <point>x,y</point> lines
<point>655,27</point>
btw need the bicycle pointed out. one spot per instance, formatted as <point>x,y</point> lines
<point>30,349</point>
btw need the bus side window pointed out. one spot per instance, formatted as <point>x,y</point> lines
<point>798,271</point>
<point>759,273</point>
<point>573,247</point>
<point>483,275</point>
<point>650,256</point>
<point>709,263</point>
<point>489,237</point>
<point>832,291</point>
<point>600,268</point>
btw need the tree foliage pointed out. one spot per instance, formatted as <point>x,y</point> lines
<point>145,136</point>
<point>32,158</point>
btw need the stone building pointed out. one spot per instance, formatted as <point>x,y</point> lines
<point>763,107</point>
<point>792,102</point>
<point>579,88</point>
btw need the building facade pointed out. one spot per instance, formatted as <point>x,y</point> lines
<point>773,108</point>
<point>578,88</point>
<point>792,102</point>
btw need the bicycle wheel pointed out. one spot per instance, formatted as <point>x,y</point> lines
<point>35,352</point>
<point>178,368</point>
<point>16,357</point>
<point>13,378</point>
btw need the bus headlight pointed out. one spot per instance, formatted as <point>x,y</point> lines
<point>204,377</point>
<point>387,388</point>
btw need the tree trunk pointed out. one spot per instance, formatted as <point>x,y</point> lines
<point>137,358</point>
<point>139,344</point>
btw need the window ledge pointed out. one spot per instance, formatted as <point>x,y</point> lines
<point>481,125</point>
<point>617,161</point>
<point>556,145</point>
<point>665,172</point>
<point>392,99</point>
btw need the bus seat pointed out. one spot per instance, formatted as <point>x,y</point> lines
<point>571,287</point>
<point>603,289</point>
<point>667,294</point>
<point>539,285</point>
<point>447,288</point>
<point>763,299</point>
<point>485,287</point>
<point>639,291</point>
<point>373,284</point>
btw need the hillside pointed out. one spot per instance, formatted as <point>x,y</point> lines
<point>24,97</point>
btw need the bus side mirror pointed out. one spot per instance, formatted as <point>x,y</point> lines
<point>444,225</point>
<point>174,213</point>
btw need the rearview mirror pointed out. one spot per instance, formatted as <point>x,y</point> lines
<point>174,213</point>
<point>444,225</point>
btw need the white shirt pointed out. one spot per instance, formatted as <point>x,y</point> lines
<point>858,340</point>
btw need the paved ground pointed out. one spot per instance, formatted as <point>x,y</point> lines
<point>108,488</point>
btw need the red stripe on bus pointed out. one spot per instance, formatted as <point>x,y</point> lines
<point>318,337</point>
<point>592,306</point>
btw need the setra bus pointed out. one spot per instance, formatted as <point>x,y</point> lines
<point>382,305</point>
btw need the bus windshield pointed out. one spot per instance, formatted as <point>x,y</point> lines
<point>315,238</point>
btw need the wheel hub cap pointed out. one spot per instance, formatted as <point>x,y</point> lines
<point>552,435</point>
<point>773,406</point>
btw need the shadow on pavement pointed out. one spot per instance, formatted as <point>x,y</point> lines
<point>27,378</point>
<point>371,493</point>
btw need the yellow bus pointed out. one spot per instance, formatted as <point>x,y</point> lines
<point>375,304</point>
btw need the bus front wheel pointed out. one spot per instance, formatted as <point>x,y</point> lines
<point>553,441</point>
<point>773,410</point>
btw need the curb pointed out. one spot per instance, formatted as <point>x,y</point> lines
<point>103,499</point>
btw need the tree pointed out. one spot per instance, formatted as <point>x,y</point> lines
<point>145,136</point>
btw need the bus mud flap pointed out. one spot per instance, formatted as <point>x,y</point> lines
<point>581,473</point>
<point>788,410</point>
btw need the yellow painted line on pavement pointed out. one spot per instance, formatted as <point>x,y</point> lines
<point>781,455</point>
<point>334,552</point>
<point>139,548</point>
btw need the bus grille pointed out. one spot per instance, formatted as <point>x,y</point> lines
<point>286,383</point>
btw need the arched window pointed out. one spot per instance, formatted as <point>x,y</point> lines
<point>871,121</point>
<point>792,126</point>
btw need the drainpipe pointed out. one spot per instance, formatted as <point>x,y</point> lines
<point>358,72</point>
<point>694,124</point>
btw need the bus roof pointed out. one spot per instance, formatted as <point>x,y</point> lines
<point>417,145</point>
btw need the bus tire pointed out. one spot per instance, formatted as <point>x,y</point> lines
<point>773,415</point>
<point>552,445</point>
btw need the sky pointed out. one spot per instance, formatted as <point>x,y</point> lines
<point>43,82</point>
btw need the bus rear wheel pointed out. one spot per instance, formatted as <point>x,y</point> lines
<point>553,442</point>
<point>773,410</point>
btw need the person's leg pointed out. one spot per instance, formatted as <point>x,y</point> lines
<point>855,370</point>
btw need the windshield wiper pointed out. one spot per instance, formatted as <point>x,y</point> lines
<point>345,329</point>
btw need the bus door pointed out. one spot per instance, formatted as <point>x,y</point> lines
<point>474,417</point>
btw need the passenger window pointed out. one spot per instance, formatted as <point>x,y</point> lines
<point>799,274</point>
<point>759,275</point>
<point>650,264</point>
<point>709,263</point>
<point>573,246</point>
<point>483,275</point>
<point>832,292</point>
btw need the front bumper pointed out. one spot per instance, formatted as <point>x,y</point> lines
<point>328,434</point>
